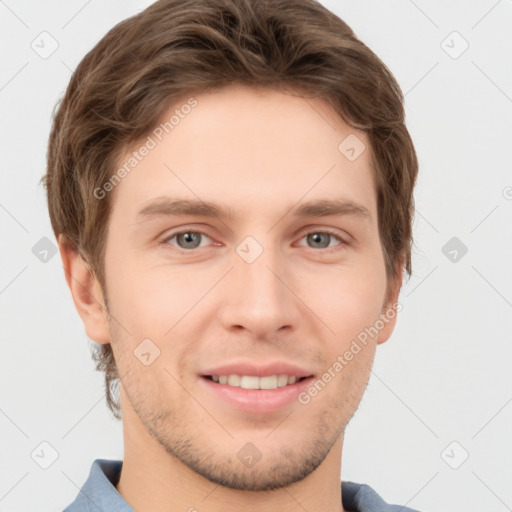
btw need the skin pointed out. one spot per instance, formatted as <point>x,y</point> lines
<point>260,153</point>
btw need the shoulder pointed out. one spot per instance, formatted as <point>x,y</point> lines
<point>363,498</point>
<point>99,493</point>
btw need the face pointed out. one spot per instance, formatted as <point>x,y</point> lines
<point>274,270</point>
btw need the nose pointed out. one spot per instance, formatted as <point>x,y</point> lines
<point>259,297</point>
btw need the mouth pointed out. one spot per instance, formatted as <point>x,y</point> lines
<point>254,394</point>
<point>267,382</point>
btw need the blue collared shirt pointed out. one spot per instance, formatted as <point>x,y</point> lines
<point>99,493</point>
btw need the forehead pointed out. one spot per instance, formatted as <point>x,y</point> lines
<point>251,148</point>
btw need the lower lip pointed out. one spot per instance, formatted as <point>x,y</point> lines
<point>256,400</point>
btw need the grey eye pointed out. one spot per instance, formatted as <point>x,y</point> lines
<point>188,240</point>
<point>319,240</point>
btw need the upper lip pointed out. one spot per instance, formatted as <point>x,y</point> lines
<point>258,370</point>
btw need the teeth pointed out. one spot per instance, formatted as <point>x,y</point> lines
<point>282,380</point>
<point>269,382</point>
<point>234,380</point>
<point>252,382</point>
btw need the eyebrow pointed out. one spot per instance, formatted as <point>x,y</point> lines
<point>167,206</point>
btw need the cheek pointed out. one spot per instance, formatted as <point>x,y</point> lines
<point>351,311</point>
<point>158,301</point>
<point>347,299</point>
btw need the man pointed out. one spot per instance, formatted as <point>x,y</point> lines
<point>231,186</point>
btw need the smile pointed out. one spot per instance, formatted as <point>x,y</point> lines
<point>254,382</point>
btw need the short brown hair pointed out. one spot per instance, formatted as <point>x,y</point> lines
<point>174,48</point>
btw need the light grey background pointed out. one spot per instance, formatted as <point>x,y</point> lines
<point>443,377</point>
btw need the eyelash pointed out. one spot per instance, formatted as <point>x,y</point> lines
<point>342,243</point>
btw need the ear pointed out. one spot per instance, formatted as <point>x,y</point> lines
<point>389,311</point>
<point>86,292</point>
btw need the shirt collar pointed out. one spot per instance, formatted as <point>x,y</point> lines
<point>99,493</point>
